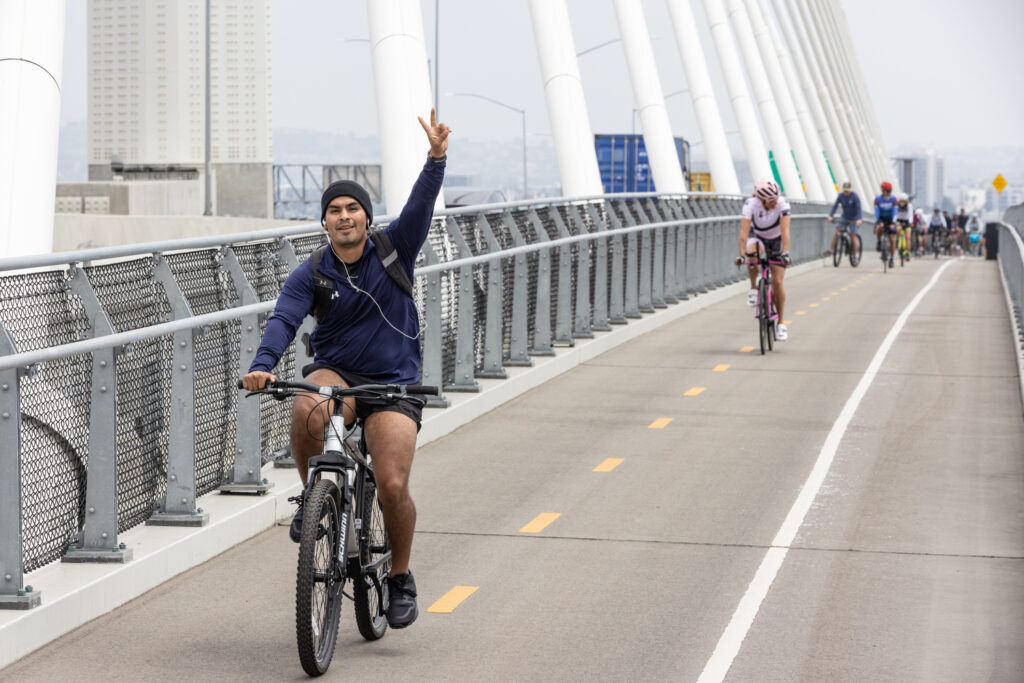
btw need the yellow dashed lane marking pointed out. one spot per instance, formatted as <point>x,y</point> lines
<point>452,599</point>
<point>786,322</point>
<point>826,298</point>
<point>720,368</point>
<point>801,312</point>
<point>746,349</point>
<point>659,423</point>
<point>695,391</point>
<point>608,465</point>
<point>835,293</point>
<point>540,522</point>
<point>844,289</point>
<point>813,306</point>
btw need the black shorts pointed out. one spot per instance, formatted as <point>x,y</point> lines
<point>773,249</point>
<point>411,406</point>
<point>887,225</point>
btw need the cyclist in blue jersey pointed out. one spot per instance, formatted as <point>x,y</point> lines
<point>368,334</point>
<point>885,217</point>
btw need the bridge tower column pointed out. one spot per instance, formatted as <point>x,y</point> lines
<point>649,97</point>
<point>743,109</point>
<point>402,86</point>
<point>31,55</point>
<point>705,105</point>
<point>567,107</point>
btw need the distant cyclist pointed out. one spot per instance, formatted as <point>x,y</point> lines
<point>767,212</point>
<point>850,217</point>
<point>904,219</point>
<point>885,217</point>
<point>936,230</point>
<point>920,230</point>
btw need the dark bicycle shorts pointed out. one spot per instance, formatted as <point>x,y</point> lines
<point>773,248</point>
<point>887,224</point>
<point>411,407</point>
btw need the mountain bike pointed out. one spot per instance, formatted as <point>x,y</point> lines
<point>343,535</point>
<point>767,316</point>
<point>844,245</point>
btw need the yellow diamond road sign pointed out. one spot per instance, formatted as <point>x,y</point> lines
<point>999,183</point>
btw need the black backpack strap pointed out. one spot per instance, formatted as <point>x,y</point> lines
<point>388,255</point>
<point>323,292</point>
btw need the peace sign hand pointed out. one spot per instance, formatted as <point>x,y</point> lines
<point>437,134</point>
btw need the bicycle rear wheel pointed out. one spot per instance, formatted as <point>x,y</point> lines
<point>369,589</point>
<point>762,314</point>
<point>885,252</point>
<point>902,246</point>
<point>320,579</point>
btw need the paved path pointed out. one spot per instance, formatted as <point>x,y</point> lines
<point>908,565</point>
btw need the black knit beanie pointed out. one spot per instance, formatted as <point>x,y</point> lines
<point>347,188</point>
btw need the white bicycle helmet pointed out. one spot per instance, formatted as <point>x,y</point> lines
<point>766,190</point>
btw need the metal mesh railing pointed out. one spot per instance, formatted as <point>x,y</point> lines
<point>620,274</point>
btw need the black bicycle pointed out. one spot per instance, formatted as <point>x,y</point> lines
<point>767,316</point>
<point>844,245</point>
<point>343,535</point>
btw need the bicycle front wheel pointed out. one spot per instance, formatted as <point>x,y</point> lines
<point>369,589</point>
<point>856,248</point>
<point>837,255</point>
<point>320,579</point>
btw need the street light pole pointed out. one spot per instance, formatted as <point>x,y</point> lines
<point>208,203</point>
<point>522,113</point>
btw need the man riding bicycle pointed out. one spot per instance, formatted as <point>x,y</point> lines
<point>904,219</point>
<point>768,213</point>
<point>849,219</point>
<point>936,230</point>
<point>885,217</point>
<point>368,334</point>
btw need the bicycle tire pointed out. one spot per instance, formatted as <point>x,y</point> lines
<point>762,314</point>
<point>369,593</point>
<point>855,254</point>
<point>772,326</point>
<point>320,579</point>
<point>885,252</point>
<point>837,255</point>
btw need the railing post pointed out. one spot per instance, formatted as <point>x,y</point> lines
<point>179,504</point>
<point>646,301</point>
<point>658,274</point>
<point>617,304</point>
<point>14,594</point>
<point>286,252</point>
<point>679,253</point>
<point>669,260</point>
<point>518,350</point>
<point>581,324</point>
<point>465,356</point>
<point>433,354</point>
<point>541,345</point>
<point>99,533</point>
<point>633,286</point>
<point>600,317</point>
<point>493,339</point>
<point>563,314</point>
<point>246,475</point>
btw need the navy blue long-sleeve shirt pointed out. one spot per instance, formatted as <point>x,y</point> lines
<point>354,335</point>
<point>851,206</point>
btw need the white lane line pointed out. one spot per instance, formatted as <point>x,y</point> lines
<point>729,644</point>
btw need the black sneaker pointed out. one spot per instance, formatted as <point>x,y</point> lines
<point>295,531</point>
<point>402,609</point>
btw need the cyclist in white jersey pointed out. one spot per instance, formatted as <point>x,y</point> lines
<point>764,228</point>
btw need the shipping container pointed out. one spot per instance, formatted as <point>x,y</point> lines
<point>622,160</point>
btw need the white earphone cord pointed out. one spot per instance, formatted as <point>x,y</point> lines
<point>348,276</point>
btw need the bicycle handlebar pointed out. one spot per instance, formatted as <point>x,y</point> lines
<point>284,388</point>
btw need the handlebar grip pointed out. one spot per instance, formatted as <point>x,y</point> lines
<point>240,385</point>
<point>421,389</point>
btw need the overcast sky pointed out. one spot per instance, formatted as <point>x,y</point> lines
<point>941,73</point>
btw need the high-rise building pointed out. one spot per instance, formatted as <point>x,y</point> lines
<point>147,95</point>
<point>923,177</point>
